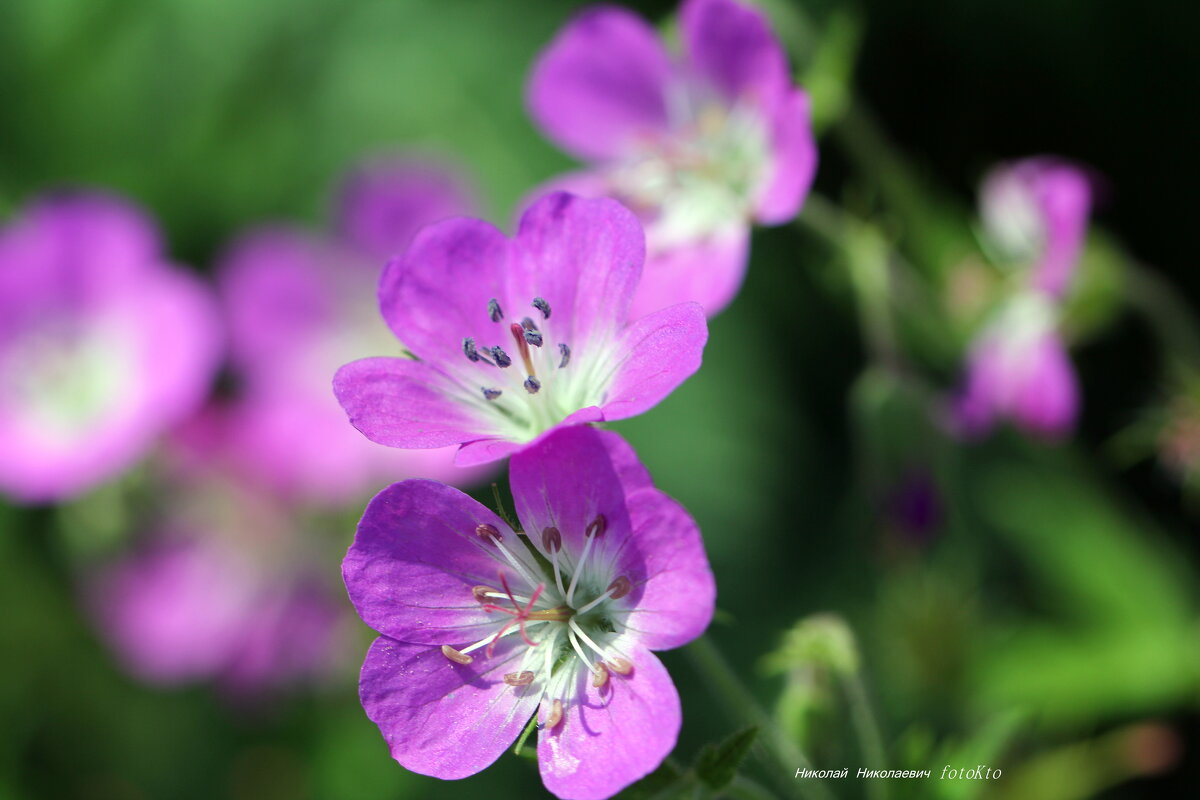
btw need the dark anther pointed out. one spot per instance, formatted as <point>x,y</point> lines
<point>566,355</point>
<point>494,310</point>
<point>597,527</point>
<point>528,324</point>
<point>481,593</point>
<point>542,306</point>
<point>486,531</point>
<point>469,349</point>
<point>502,359</point>
<point>551,540</point>
<point>532,385</point>
<point>533,337</point>
<point>619,587</point>
<point>491,394</point>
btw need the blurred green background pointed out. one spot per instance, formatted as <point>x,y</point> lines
<point>1047,624</point>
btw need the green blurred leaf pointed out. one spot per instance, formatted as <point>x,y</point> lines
<point>717,764</point>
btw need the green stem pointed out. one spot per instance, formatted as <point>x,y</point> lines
<point>866,727</point>
<point>782,757</point>
<point>1151,296</point>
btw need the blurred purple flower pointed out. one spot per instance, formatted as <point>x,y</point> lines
<point>300,306</point>
<point>192,607</point>
<point>1019,369</point>
<point>479,634</point>
<point>699,146</point>
<point>103,345</point>
<point>1036,211</point>
<point>517,337</point>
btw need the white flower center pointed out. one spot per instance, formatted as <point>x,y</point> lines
<point>702,176</point>
<point>566,613</point>
<point>531,379</point>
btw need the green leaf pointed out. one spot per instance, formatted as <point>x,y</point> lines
<point>717,764</point>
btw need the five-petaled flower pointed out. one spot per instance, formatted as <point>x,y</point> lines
<point>514,338</point>
<point>699,146</point>
<point>1036,213</point>
<point>486,629</point>
<point>103,344</point>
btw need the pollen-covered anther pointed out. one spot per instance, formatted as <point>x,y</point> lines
<point>483,594</point>
<point>565,353</point>
<point>619,665</point>
<point>599,676</point>
<point>542,306</point>
<point>494,311</point>
<point>490,394</point>
<point>488,532</point>
<point>551,540</point>
<point>469,350</point>
<point>532,335</point>
<point>532,385</point>
<point>502,358</point>
<point>619,587</point>
<point>597,527</point>
<point>455,656</point>
<point>518,678</point>
<point>554,716</point>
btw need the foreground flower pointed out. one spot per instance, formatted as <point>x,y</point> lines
<point>699,146</point>
<point>1019,370</point>
<point>1036,213</point>
<point>484,628</point>
<point>103,345</point>
<point>301,305</point>
<point>517,337</point>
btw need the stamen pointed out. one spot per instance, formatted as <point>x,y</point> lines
<point>527,324</point>
<point>488,532</point>
<point>619,587</point>
<point>542,306</point>
<point>555,716</point>
<point>455,656</point>
<point>597,527</point>
<point>533,337</point>
<point>502,359</point>
<point>578,650</point>
<point>519,678</point>
<point>600,676</point>
<point>532,385</point>
<point>469,349</point>
<point>587,548</point>
<point>482,594</point>
<point>565,352</point>
<point>551,540</point>
<point>619,665</point>
<point>490,394</point>
<point>494,310</point>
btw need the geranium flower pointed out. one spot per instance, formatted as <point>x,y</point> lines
<point>699,146</point>
<point>514,338</point>
<point>484,628</point>
<point>103,345</point>
<point>300,305</point>
<point>1019,370</point>
<point>1036,213</point>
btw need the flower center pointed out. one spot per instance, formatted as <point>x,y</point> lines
<point>698,178</point>
<point>525,377</point>
<point>564,612</point>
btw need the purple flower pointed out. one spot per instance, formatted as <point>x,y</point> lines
<point>301,305</point>
<point>699,146</point>
<point>514,338</point>
<point>484,628</point>
<point>103,345</point>
<point>190,607</point>
<point>1036,212</point>
<point>1018,369</point>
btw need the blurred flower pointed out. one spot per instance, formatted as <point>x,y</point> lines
<point>1019,370</point>
<point>103,345</point>
<point>224,593</point>
<point>1036,212</point>
<point>300,306</point>
<point>556,296</point>
<point>483,629</point>
<point>699,146</point>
